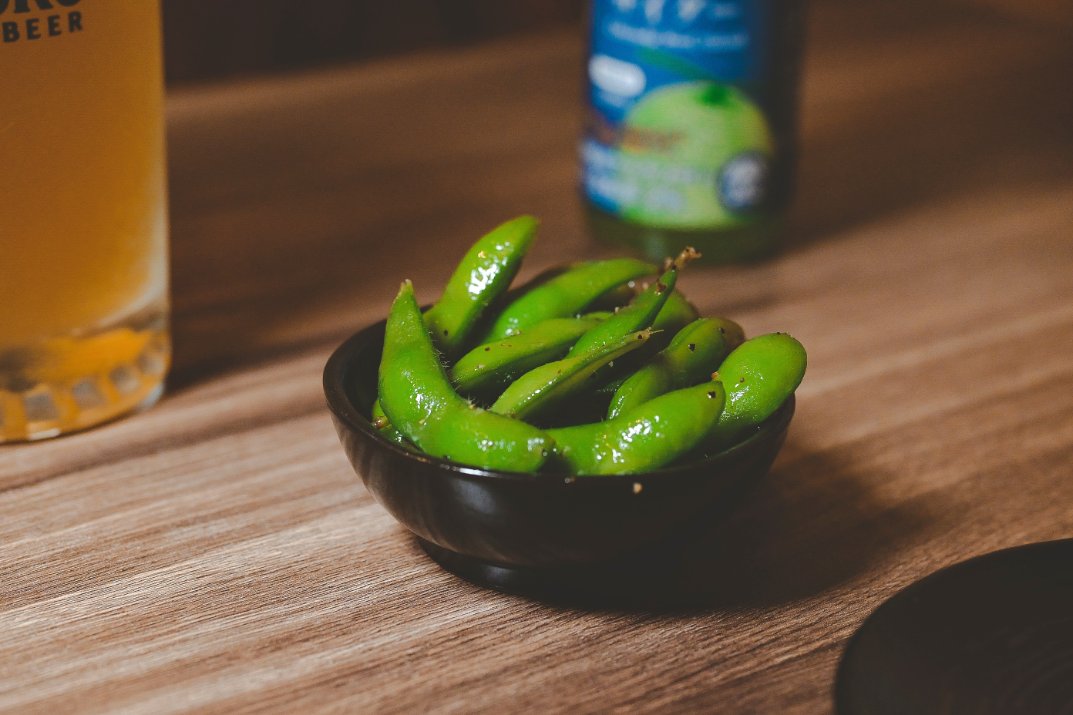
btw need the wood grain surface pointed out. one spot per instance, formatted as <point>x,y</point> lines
<point>217,553</point>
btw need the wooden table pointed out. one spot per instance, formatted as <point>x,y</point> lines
<point>218,553</point>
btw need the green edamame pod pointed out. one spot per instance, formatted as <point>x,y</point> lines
<point>488,369</point>
<point>377,416</point>
<point>644,438</point>
<point>615,298</point>
<point>383,425</point>
<point>540,389</point>
<point>638,315</point>
<point>676,313</point>
<point>418,399</point>
<point>759,375</point>
<point>482,275</point>
<point>692,356</point>
<point>566,294</point>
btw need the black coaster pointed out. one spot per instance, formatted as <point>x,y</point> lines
<point>990,635</point>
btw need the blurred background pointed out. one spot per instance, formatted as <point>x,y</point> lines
<point>905,104</point>
<point>208,40</point>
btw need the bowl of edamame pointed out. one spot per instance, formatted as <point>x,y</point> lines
<point>528,437</point>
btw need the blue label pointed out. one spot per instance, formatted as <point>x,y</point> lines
<point>678,134</point>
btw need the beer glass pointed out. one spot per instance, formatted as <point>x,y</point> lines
<point>83,215</point>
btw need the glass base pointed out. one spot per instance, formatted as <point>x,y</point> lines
<point>742,244</point>
<point>72,383</point>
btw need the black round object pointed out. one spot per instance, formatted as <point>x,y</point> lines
<point>990,635</point>
<point>528,532</point>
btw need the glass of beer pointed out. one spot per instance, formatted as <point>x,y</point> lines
<point>83,214</point>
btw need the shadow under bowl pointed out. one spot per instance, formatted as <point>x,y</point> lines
<point>546,534</point>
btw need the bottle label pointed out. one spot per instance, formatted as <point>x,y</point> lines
<point>677,134</point>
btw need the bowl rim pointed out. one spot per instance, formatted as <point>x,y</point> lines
<point>342,407</point>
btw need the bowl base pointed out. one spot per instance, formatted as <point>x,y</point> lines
<point>634,580</point>
<point>585,584</point>
<point>658,575</point>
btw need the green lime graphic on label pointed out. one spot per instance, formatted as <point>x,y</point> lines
<point>694,155</point>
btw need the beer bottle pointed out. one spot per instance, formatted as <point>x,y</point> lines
<point>690,132</point>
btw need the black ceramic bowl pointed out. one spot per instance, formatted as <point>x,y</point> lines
<point>529,532</point>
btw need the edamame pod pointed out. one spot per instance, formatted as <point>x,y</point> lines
<point>644,438</point>
<point>383,425</point>
<point>540,389</point>
<point>638,315</point>
<point>482,275</point>
<point>566,294</point>
<point>675,314</point>
<point>635,316</point>
<point>615,298</point>
<point>759,375</point>
<point>694,353</point>
<point>419,401</point>
<point>489,369</point>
